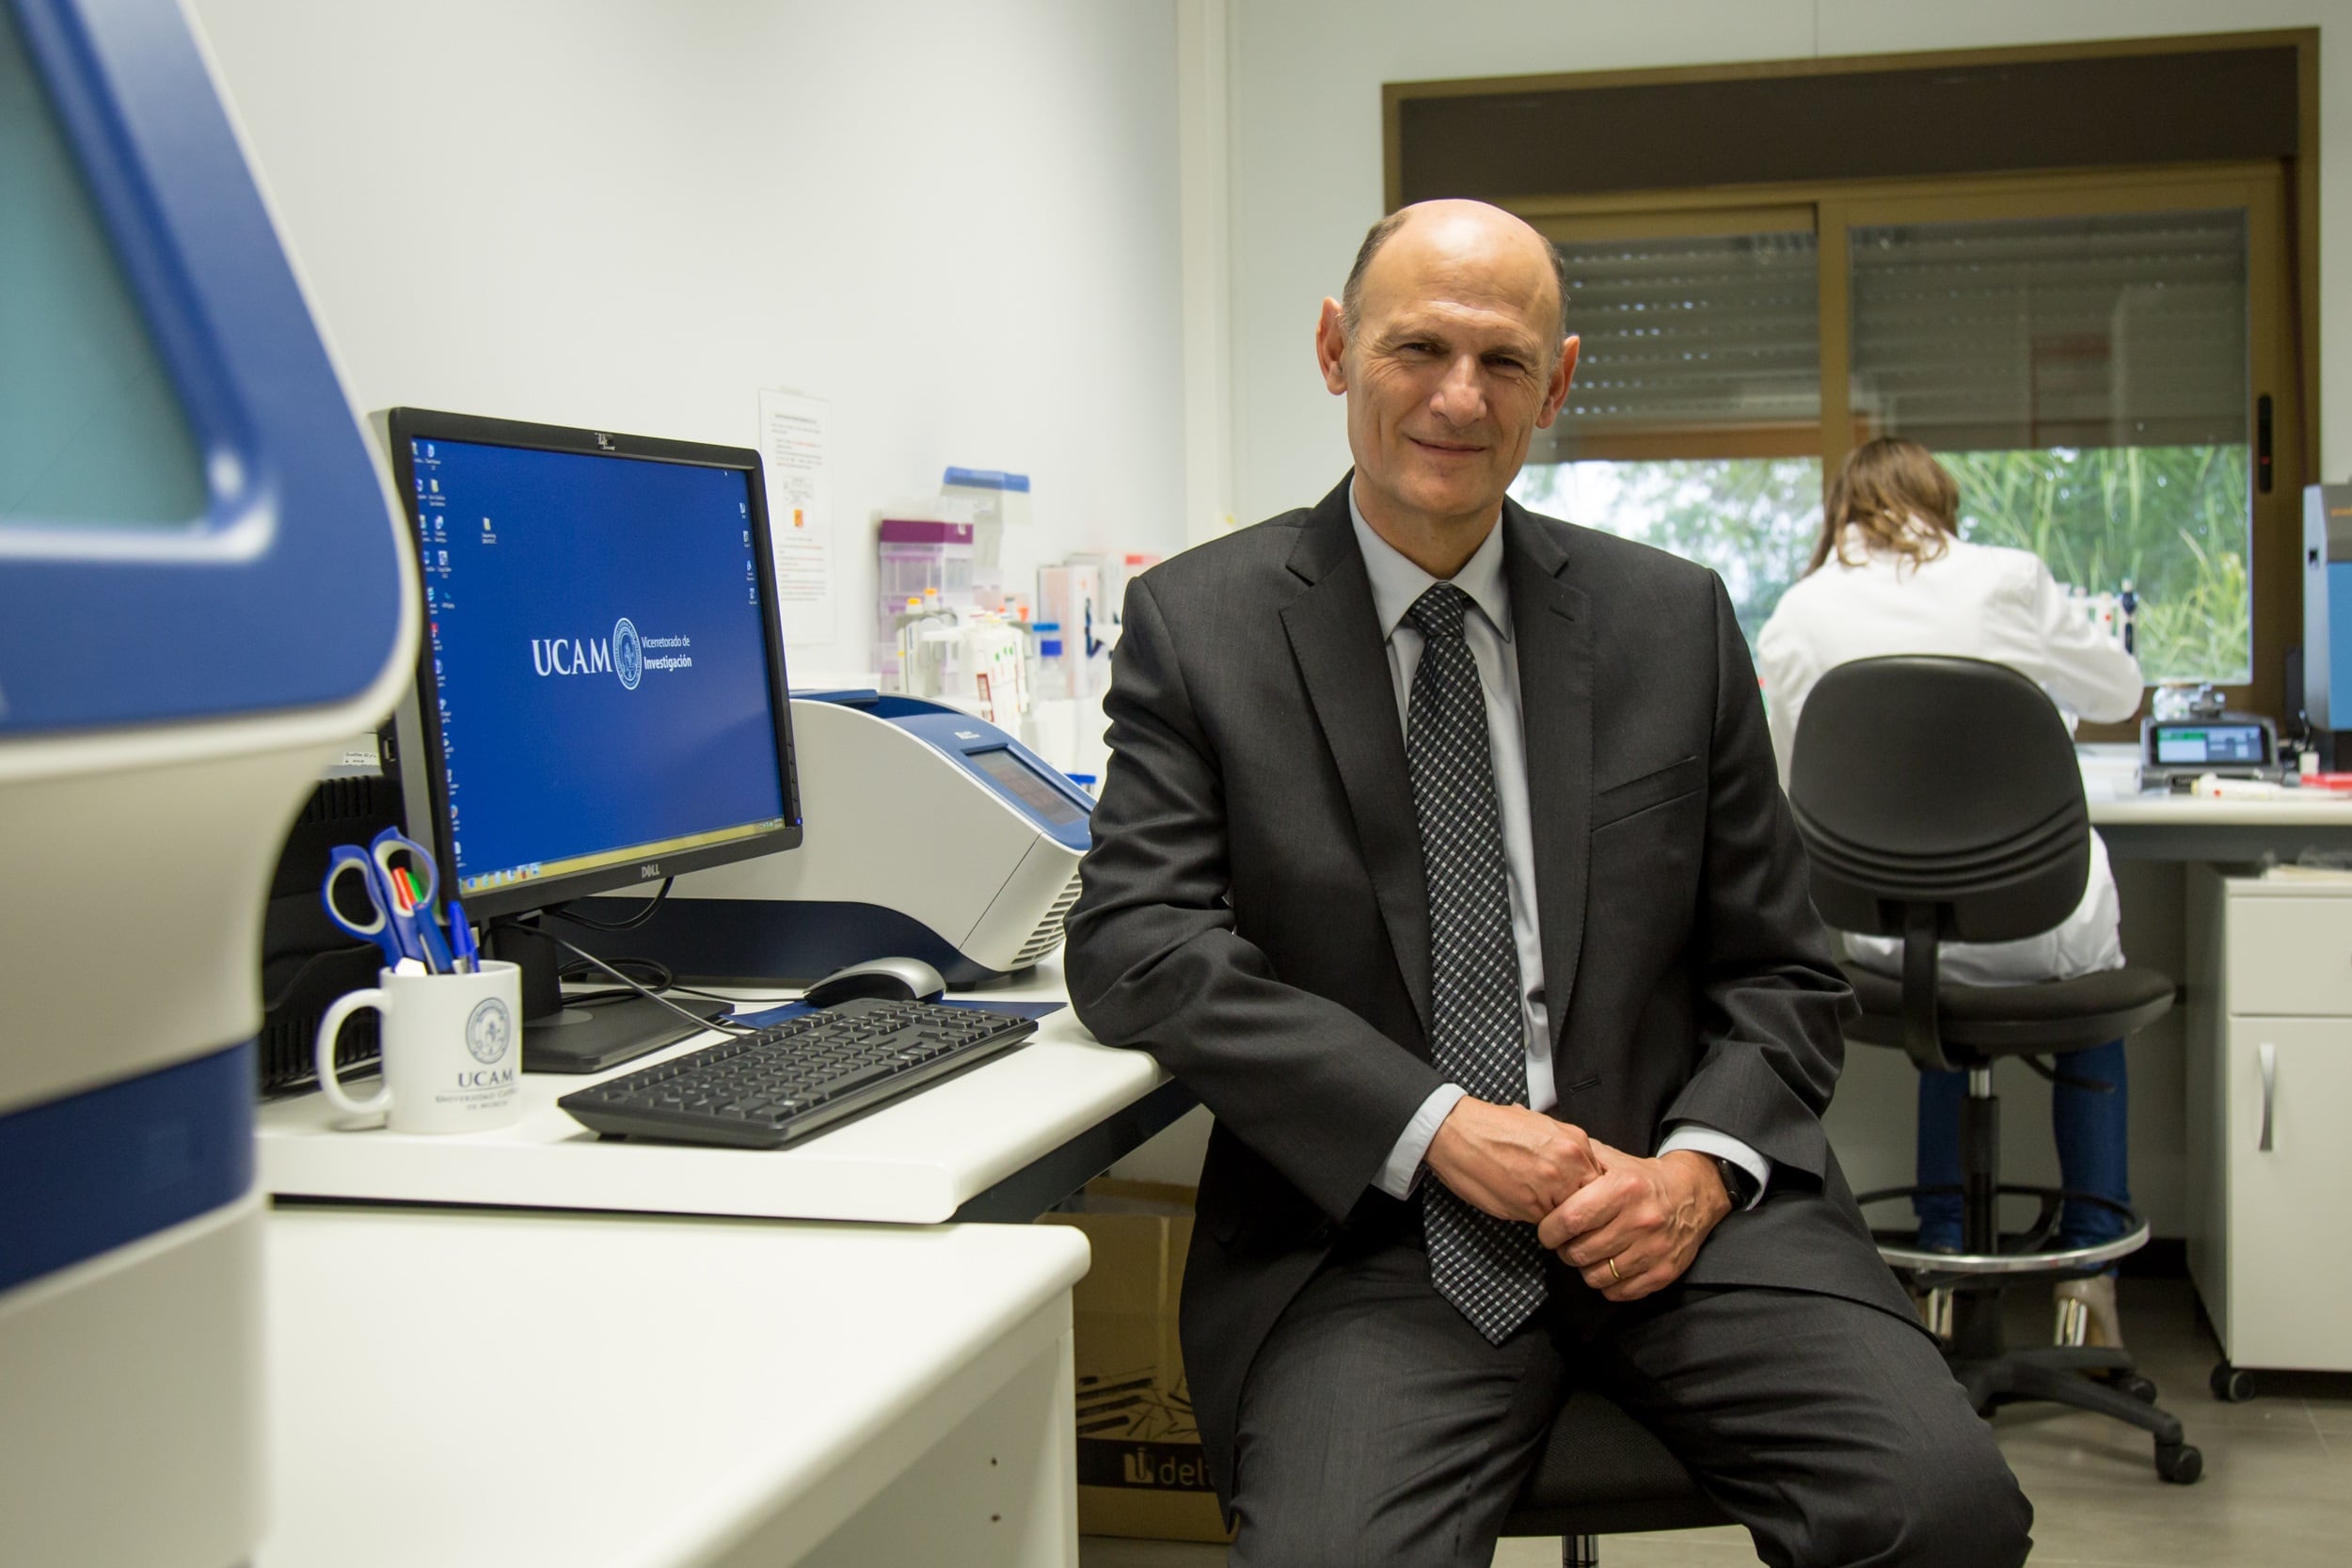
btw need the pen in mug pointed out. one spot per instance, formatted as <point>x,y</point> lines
<point>402,912</point>
<point>461,941</point>
<point>436,953</point>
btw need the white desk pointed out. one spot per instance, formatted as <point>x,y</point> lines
<point>2165,827</point>
<point>507,1390</point>
<point>998,1142</point>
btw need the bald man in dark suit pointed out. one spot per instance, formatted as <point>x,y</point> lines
<point>1441,854</point>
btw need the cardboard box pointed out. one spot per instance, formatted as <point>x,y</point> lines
<point>1140,1468</point>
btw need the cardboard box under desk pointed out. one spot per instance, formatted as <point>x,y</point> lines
<point>1141,1470</point>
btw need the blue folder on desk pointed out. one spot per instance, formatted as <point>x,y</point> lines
<point>1031,1010</point>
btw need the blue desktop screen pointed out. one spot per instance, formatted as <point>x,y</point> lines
<point>599,659</point>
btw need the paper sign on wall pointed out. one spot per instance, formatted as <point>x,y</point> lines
<point>793,448</point>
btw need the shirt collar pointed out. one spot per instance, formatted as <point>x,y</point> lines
<point>1397,582</point>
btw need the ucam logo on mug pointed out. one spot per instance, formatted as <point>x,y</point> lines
<point>489,1030</point>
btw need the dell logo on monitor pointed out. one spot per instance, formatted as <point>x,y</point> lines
<point>604,442</point>
<point>649,871</point>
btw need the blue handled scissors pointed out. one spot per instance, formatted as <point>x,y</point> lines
<point>389,921</point>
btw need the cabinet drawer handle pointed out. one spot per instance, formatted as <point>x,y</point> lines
<point>2267,1054</point>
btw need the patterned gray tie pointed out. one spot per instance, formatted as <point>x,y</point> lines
<point>1492,1270</point>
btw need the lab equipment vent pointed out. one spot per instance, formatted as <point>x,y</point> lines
<point>1048,934</point>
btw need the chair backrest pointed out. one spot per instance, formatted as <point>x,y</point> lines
<point>1922,780</point>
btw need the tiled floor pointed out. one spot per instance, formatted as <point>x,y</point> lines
<point>2276,1491</point>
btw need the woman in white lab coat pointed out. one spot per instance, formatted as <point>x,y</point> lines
<point>1890,575</point>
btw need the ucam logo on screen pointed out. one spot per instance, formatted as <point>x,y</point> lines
<point>622,655</point>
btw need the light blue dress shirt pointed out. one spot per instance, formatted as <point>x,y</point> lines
<point>1396,583</point>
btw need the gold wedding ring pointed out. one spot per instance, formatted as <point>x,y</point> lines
<point>1613,1271</point>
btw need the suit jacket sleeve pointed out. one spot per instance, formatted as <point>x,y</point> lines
<point>1771,999</point>
<point>1155,961</point>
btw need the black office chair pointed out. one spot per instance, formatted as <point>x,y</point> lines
<point>1602,1474</point>
<point>1940,800</point>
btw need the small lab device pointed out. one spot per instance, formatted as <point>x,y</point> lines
<point>203,595</point>
<point>2328,621</point>
<point>599,698</point>
<point>933,834</point>
<point>2173,752</point>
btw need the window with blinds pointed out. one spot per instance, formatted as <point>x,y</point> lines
<point>2099,310</point>
<point>1686,335</point>
<point>2117,330</point>
<point>1693,424</point>
<point>2086,372</point>
<point>2086,379</point>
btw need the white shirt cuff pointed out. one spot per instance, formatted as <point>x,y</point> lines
<point>1721,1146</point>
<point>1402,1174</point>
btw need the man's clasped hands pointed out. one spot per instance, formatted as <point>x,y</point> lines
<point>1628,1225</point>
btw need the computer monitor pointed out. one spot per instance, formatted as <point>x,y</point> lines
<point>600,696</point>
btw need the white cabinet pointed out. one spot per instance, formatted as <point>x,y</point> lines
<point>2270,1117</point>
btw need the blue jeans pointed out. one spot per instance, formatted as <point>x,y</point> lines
<point>2088,1126</point>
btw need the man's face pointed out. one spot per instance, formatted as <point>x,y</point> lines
<point>1452,367</point>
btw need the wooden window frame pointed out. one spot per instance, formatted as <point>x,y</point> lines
<point>2279,197</point>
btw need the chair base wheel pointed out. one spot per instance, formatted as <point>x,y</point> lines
<point>2231,1384</point>
<point>2179,1463</point>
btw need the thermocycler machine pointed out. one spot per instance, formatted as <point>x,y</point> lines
<point>932,835</point>
<point>202,594</point>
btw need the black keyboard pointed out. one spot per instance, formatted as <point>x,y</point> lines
<point>758,1091</point>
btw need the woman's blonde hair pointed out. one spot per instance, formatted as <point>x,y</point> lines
<point>1888,488</point>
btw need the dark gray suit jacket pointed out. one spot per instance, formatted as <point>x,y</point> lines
<point>1254,915</point>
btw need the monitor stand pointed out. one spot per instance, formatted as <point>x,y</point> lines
<point>560,1038</point>
<point>590,1039</point>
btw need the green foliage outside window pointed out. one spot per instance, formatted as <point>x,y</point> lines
<point>1753,519</point>
<point>2173,519</point>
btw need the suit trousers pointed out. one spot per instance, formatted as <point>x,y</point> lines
<point>1377,1426</point>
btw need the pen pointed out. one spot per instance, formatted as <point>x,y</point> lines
<point>400,914</point>
<point>461,941</point>
<point>429,938</point>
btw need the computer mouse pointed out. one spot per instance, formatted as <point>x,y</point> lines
<point>889,979</point>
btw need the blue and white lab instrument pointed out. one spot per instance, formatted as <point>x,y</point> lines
<point>2327,622</point>
<point>201,595</point>
<point>930,833</point>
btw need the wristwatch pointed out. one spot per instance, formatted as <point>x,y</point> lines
<point>1740,1184</point>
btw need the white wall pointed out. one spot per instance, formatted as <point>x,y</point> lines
<point>958,223</point>
<point>1306,152</point>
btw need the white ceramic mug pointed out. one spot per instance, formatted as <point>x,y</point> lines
<point>453,1050</point>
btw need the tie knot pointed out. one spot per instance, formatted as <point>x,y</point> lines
<point>1440,612</point>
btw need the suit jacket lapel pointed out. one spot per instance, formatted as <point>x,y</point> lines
<point>1335,636</point>
<point>1553,626</point>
